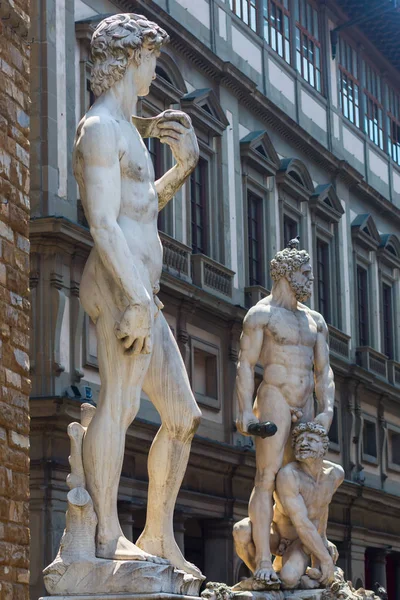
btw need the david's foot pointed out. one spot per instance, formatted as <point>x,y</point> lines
<point>265,577</point>
<point>171,551</point>
<point>122,549</point>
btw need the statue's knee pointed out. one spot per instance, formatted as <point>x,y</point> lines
<point>290,576</point>
<point>242,532</point>
<point>265,480</point>
<point>186,423</point>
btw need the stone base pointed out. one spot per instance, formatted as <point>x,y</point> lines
<point>305,594</point>
<point>98,577</point>
<point>159,596</point>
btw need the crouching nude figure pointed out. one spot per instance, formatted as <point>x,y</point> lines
<point>120,284</point>
<point>304,490</point>
<point>290,341</point>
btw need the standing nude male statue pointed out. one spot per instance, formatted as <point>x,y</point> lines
<point>290,341</point>
<point>120,282</point>
<point>304,491</point>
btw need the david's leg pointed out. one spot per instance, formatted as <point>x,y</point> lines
<point>167,385</point>
<point>270,406</point>
<point>104,442</point>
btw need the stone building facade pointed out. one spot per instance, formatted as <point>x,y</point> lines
<point>14,303</point>
<point>291,141</point>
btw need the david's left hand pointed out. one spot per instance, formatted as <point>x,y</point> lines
<point>174,127</point>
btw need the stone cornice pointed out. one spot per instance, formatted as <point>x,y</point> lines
<point>59,232</point>
<point>246,91</point>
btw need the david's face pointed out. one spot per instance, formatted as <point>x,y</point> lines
<point>301,281</point>
<point>309,446</point>
<point>145,72</point>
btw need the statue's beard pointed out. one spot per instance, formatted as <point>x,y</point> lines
<point>301,292</point>
<point>306,455</point>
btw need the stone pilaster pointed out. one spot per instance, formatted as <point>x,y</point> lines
<point>218,550</point>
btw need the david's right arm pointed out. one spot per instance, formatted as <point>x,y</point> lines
<point>97,170</point>
<point>251,342</point>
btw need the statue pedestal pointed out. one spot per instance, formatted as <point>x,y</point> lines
<point>155,596</point>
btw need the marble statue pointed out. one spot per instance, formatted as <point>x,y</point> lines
<point>121,279</point>
<point>290,341</point>
<point>304,490</point>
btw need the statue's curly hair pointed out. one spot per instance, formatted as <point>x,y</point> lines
<point>116,41</point>
<point>311,428</point>
<point>287,261</point>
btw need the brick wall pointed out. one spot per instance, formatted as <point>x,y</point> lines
<point>14,304</point>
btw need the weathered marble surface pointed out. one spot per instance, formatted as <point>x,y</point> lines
<point>156,596</point>
<point>339,589</point>
<point>305,558</point>
<point>137,350</point>
<point>76,568</point>
<point>290,341</point>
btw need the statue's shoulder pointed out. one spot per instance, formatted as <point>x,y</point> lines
<point>98,129</point>
<point>334,470</point>
<point>258,315</point>
<point>289,474</point>
<point>316,316</point>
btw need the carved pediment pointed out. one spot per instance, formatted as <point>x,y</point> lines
<point>294,178</point>
<point>205,110</point>
<point>365,232</point>
<point>256,149</point>
<point>325,203</point>
<point>389,250</point>
<point>169,84</point>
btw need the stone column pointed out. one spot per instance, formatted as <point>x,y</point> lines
<point>126,518</point>
<point>218,550</point>
<point>378,567</point>
<point>179,530</point>
<point>357,562</point>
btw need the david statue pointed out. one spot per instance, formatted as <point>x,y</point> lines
<point>290,341</point>
<point>120,282</point>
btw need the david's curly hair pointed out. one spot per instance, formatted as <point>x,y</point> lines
<point>311,428</point>
<point>287,261</point>
<point>118,40</point>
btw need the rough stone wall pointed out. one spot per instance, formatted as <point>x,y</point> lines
<point>14,303</point>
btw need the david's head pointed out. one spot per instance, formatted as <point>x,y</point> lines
<point>125,42</point>
<point>310,442</point>
<point>295,266</point>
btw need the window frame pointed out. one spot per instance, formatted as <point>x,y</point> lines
<point>204,209</point>
<point>322,241</point>
<point>389,286</point>
<point>295,231</point>
<point>369,98</point>
<point>366,457</point>
<point>355,79</point>
<point>359,267</point>
<point>209,402</point>
<point>237,6</point>
<point>260,242</point>
<point>284,7</point>
<point>393,120</point>
<point>309,34</point>
<point>392,429</point>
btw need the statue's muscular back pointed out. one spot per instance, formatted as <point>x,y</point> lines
<point>287,352</point>
<point>317,495</point>
<point>136,207</point>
